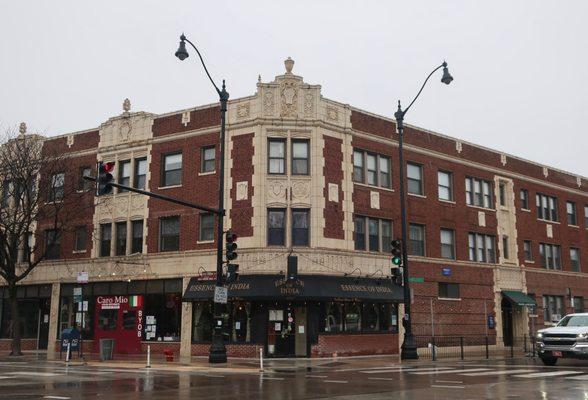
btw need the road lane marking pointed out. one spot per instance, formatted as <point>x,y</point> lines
<point>502,372</point>
<point>213,376</point>
<point>25,373</point>
<point>316,376</point>
<point>271,378</point>
<point>579,377</point>
<point>548,374</point>
<point>448,386</point>
<point>329,381</point>
<point>375,378</point>
<point>455,371</point>
<point>57,397</point>
<point>383,371</point>
<point>440,381</point>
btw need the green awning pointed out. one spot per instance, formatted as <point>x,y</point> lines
<point>519,298</point>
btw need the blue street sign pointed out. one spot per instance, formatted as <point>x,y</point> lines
<point>446,271</point>
<point>491,321</point>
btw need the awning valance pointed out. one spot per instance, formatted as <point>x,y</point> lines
<point>306,287</point>
<point>519,298</point>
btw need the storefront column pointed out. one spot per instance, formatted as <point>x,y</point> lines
<point>186,333</point>
<point>53,321</point>
<point>400,328</point>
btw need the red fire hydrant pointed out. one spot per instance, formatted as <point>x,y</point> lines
<point>169,354</point>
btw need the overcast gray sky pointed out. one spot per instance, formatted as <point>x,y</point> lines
<point>520,67</point>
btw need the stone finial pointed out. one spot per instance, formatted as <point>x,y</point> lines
<point>258,78</point>
<point>289,63</point>
<point>126,105</point>
<point>22,128</point>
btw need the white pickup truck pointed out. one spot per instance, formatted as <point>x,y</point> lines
<point>568,339</point>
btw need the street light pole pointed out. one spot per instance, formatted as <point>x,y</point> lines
<point>218,352</point>
<point>409,348</point>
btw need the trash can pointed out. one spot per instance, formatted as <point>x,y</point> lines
<point>169,355</point>
<point>106,349</point>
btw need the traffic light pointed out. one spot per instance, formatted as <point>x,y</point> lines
<point>396,252</point>
<point>292,268</point>
<point>103,185</point>
<point>232,272</point>
<point>231,246</point>
<point>397,275</point>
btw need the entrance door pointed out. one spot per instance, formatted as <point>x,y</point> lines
<point>119,318</point>
<point>281,333</point>
<point>301,331</point>
<point>44,312</point>
<point>507,322</point>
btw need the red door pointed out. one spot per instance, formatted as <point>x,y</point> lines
<point>119,318</point>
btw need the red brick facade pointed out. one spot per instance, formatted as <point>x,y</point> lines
<point>355,345</point>
<point>333,174</point>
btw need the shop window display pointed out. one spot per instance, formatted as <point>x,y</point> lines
<point>202,322</point>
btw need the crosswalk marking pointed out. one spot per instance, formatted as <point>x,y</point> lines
<point>316,376</point>
<point>328,381</point>
<point>502,372</point>
<point>383,371</point>
<point>548,374</point>
<point>454,371</point>
<point>579,377</point>
<point>26,373</point>
<point>57,397</point>
<point>375,378</point>
<point>448,386</point>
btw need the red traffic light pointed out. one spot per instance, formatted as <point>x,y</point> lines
<point>107,167</point>
<point>230,237</point>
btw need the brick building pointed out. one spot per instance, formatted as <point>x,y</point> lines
<point>490,234</point>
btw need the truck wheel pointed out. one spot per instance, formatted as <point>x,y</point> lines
<point>549,360</point>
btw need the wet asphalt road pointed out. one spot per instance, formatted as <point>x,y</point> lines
<point>516,379</point>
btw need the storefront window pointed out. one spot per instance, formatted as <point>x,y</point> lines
<point>202,322</point>
<point>333,317</point>
<point>107,319</point>
<point>162,317</point>
<point>29,318</point>
<point>370,317</point>
<point>240,322</point>
<point>352,317</point>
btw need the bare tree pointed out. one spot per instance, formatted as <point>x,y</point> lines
<point>37,205</point>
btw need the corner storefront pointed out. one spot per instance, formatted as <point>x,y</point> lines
<point>311,316</point>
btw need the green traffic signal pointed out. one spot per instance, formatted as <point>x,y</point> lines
<point>396,260</point>
<point>396,250</point>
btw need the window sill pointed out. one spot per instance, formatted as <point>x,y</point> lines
<point>548,221</point>
<point>206,173</point>
<point>449,299</point>
<point>481,208</point>
<point>529,261</point>
<point>78,251</point>
<point>422,196</point>
<point>447,201</point>
<point>204,241</point>
<point>53,202</point>
<point>374,187</point>
<point>169,187</point>
<point>526,210</point>
<point>574,226</point>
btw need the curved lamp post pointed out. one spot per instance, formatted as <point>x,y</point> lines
<point>218,352</point>
<point>409,348</point>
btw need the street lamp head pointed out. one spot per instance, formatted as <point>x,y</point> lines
<point>447,78</point>
<point>182,53</point>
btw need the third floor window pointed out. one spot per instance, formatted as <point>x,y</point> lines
<point>140,173</point>
<point>414,179</point>
<point>546,207</point>
<point>372,169</point>
<point>208,155</point>
<point>445,185</point>
<point>300,157</point>
<point>124,174</point>
<point>524,199</point>
<point>550,256</point>
<point>56,191</point>
<point>172,170</point>
<point>571,213</point>
<point>372,234</point>
<point>276,156</point>
<point>478,192</point>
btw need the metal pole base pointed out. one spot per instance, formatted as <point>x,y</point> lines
<point>409,349</point>
<point>218,352</point>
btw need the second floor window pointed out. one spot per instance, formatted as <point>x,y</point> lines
<point>137,233</point>
<point>105,239</point>
<point>172,170</point>
<point>208,156</point>
<point>546,207</point>
<point>140,173</point>
<point>478,192</point>
<point>550,256</point>
<point>300,227</point>
<point>56,191</point>
<point>448,290</point>
<point>169,234</point>
<point>448,244</point>
<point>414,178</point>
<point>84,184</point>
<point>553,308</point>
<point>571,212</point>
<point>445,183</point>
<point>481,248</point>
<point>80,238</point>
<point>277,156</point>
<point>528,250</point>
<point>578,304</point>
<point>575,259</point>
<point>300,157</point>
<point>416,240</point>
<point>121,238</point>
<point>372,169</point>
<point>124,174</point>
<point>276,227</point>
<point>379,234</point>
<point>52,244</point>
<point>206,227</point>
<point>524,199</point>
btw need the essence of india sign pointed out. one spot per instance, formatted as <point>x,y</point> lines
<point>114,302</point>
